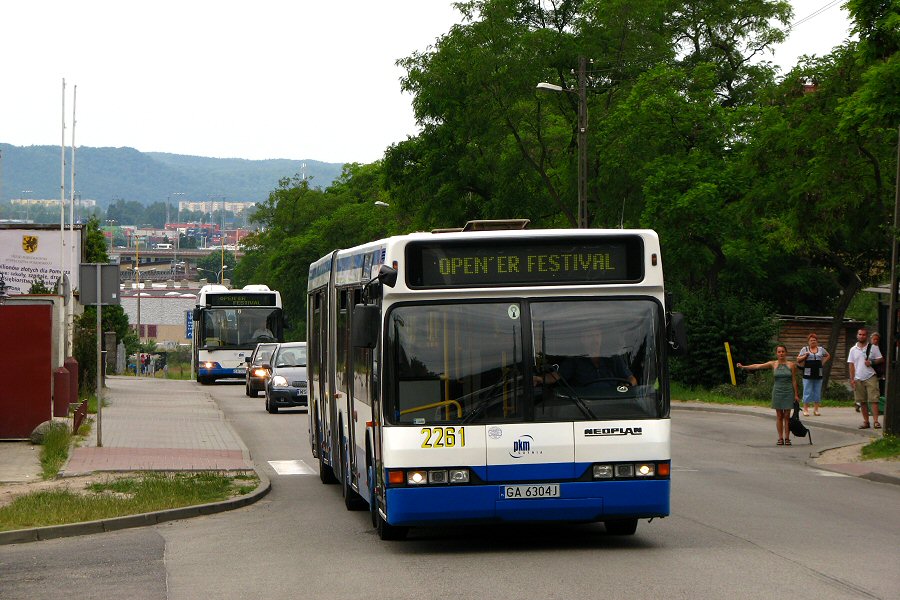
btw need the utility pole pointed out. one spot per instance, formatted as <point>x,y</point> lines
<point>892,386</point>
<point>582,143</point>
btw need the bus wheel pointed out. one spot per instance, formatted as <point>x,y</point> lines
<point>621,526</point>
<point>204,380</point>
<point>352,500</point>
<point>326,474</point>
<point>389,532</point>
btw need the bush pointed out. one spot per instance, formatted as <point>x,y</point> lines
<point>747,325</point>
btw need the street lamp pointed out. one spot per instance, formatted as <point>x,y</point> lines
<point>217,274</point>
<point>582,135</point>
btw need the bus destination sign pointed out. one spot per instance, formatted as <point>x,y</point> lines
<point>238,299</point>
<point>531,261</point>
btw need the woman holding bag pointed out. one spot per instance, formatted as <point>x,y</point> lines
<point>784,383</point>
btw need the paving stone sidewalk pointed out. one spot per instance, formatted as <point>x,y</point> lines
<point>159,424</point>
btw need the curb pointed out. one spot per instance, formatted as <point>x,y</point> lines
<point>18,536</point>
<point>753,413</point>
<point>875,476</point>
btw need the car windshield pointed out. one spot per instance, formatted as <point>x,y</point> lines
<point>264,353</point>
<point>240,327</point>
<point>520,361</point>
<point>291,356</point>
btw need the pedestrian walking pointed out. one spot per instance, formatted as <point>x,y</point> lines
<point>860,362</point>
<point>812,360</point>
<point>784,384</point>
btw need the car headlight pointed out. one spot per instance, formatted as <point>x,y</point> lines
<point>260,372</point>
<point>279,381</point>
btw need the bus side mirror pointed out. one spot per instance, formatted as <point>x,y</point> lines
<point>678,345</point>
<point>364,331</point>
<point>196,314</point>
<point>387,276</point>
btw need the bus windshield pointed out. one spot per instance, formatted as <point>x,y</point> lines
<point>240,327</point>
<point>466,362</point>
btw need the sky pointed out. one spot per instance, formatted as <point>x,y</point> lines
<point>296,79</point>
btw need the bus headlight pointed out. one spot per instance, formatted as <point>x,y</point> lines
<point>279,381</point>
<point>416,477</point>
<point>603,471</point>
<point>459,476</point>
<point>209,365</point>
<point>645,470</point>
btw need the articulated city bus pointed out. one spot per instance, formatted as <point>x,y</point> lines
<point>494,376</point>
<point>227,326</point>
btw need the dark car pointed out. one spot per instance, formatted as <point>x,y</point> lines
<point>286,385</point>
<point>257,374</point>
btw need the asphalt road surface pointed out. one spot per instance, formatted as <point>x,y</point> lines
<point>749,520</point>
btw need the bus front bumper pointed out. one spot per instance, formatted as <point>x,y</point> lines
<point>578,502</point>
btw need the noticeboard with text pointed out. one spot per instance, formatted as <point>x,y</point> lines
<point>238,299</point>
<point>525,261</point>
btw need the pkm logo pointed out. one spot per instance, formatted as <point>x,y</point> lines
<point>523,446</point>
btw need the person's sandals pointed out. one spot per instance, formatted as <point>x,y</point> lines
<point>780,442</point>
<point>805,413</point>
<point>864,426</point>
<point>817,414</point>
<point>877,425</point>
<point>787,442</point>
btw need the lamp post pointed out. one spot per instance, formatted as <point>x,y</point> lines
<point>217,274</point>
<point>177,234</point>
<point>582,135</point>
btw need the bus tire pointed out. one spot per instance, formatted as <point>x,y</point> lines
<point>621,526</point>
<point>352,500</point>
<point>326,473</point>
<point>388,532</point>
<point>204,380</point>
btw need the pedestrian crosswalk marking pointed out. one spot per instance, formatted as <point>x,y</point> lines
<point>292,467</point>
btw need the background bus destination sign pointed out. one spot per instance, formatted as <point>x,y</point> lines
<point>238,299</point>
<point>532,262</point>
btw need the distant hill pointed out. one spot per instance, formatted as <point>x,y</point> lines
<point>105,174</point>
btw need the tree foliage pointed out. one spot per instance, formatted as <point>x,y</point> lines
<point>770,193</point>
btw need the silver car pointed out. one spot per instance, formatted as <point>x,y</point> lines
<point>287,383</point>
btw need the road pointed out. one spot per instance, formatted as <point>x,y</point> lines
<point>749,520</point>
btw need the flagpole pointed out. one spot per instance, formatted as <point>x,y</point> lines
<point>70,313</point>
<point>62,225</point>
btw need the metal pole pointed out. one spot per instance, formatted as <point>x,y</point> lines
<point>99,363</point>
<point>892,385</point>
<point>137,266</point>
<point>582,143</point>
<point>62,225</point>
<point>70,312</point>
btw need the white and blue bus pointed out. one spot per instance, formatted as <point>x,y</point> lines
<point>494,376</point>
<point>228,323</point>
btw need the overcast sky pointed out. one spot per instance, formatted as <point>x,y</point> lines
<point>298,79</point>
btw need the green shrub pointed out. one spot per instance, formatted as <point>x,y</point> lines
<point>711,320</point>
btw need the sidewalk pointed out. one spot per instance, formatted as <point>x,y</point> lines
<point>147,425</point>
<point>160,425</point>
<point>843,419</point>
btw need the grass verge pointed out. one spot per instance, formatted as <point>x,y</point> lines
<point>123,496</point>
<point>886,447</point>
<point>54,451</point>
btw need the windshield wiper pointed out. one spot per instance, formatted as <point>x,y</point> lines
<point>484,398</point>
<point>576,399</point>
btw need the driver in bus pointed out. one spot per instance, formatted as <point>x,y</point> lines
<point>262,332</point>
<point>590,370</point>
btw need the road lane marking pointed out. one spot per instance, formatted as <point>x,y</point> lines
<point>292,467</point>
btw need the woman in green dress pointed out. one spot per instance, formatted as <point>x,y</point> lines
<point>784,390</point>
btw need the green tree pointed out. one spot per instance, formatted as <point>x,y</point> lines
<point>211,265</point>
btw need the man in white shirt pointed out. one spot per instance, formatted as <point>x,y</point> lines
<point>862,375</point>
